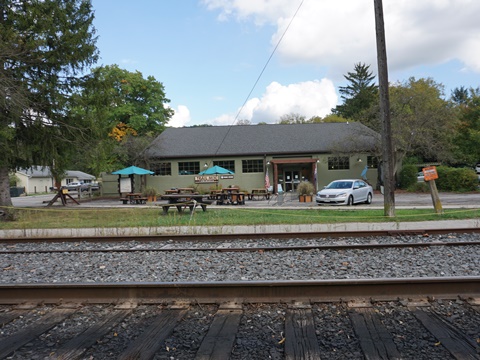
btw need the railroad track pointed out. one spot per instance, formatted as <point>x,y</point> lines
<point>406,329</point>
<point>226,247</point>
<point>408,318</point>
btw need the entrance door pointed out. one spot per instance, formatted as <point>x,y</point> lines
<point>291,179</point>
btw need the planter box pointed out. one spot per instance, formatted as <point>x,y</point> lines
<point>305,198</point>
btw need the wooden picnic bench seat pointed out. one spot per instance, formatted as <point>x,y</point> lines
<point>139,200</point>
<point>236,198</point>
<point>190,204</point>
<point>259,196</point>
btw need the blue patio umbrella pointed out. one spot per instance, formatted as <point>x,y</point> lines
<point>130,171</point>
<point>215,170</point>
<point>133,170</point>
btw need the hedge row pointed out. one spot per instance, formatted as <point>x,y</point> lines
<point>449,179</point>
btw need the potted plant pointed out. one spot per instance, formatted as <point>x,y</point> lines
<point>305,191</point>
<point>150,193</point>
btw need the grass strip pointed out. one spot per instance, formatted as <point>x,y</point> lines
<point>42,218</point>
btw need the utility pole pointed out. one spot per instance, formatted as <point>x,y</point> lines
<point>387,147</point>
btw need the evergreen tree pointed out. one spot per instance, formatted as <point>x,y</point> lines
<point>359,94</point>
<point>45,47</point>
<point>460,95</point>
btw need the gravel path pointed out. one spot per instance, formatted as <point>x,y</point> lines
<point>192,266</point>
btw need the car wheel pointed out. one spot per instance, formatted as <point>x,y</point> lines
<point>350,200</point>
<point>369,199</point>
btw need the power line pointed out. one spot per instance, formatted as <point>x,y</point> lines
<point>268,61</point>
<point>260,75</point>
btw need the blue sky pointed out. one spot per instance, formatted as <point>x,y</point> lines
<point>209,53</point>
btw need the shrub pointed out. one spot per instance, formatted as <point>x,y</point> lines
<point>408,176</point>
<point>456,179</point>
<point>150,191</point>
<point>13,179</point>
<point>305,188</point>
<point>419,187</point>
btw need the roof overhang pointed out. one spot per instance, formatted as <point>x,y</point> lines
<point>293,161</point>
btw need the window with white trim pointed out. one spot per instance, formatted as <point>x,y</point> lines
<point>338,163</point>
<point>188,168</point>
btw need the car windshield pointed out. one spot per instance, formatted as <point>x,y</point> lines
<point>340,185</point>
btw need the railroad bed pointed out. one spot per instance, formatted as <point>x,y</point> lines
<point>242,260</point>
<point>441,329</point>
<point>409,296</point>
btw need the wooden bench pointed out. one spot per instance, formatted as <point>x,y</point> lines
<point>140,200</point>
<point>190,204</point>
<point>213,194</point>
<point>259,196</point>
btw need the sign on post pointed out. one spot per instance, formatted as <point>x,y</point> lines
<point>430,175</point>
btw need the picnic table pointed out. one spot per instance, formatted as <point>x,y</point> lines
<point>171,191</point>
<point>181,201</point>
<point>230,196</point>
<point>134,199</point>
<point>213,194</point>
<point>259,194</point>
<point>186,190</point>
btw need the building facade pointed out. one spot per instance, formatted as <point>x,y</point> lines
<point>260,155</point>
<point>39,179</point>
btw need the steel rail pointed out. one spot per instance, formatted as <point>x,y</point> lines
<point>386,289</point>
<point>254,248</point>
<point>250,236</point>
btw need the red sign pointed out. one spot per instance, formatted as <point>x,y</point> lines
<point>430,173</point>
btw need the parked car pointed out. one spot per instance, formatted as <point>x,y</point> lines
<point>76,186</point>
<point>477,168</point>
<point>420,177</point>
<point>345,192</point>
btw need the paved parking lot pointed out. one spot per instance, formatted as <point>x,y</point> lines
<point>402,200</point>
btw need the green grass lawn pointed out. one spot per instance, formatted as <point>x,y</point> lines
<point>43,218</point>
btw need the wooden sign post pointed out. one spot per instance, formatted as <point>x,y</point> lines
<point>430,174</point>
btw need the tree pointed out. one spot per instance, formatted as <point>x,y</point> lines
<point>135,114</point>
<point>45,46</point>
<point>467,135</point>
<point>423,122</point>
<point>460,95</point>
<point>333,118</point>
<point>134,101</point>
<point>359,94</point>
<point>292,118</point>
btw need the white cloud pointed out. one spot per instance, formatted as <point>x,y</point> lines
<point>261,11</point>
<point>334,35</point>
<point>309,98</point>
<point>337,34</point>
<point>181,117</point>
<point>129,61</point>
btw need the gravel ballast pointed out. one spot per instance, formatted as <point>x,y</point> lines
<point>199,266</point>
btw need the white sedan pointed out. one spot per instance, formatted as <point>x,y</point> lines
<point>420,177</point>
<point>345,192</point>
